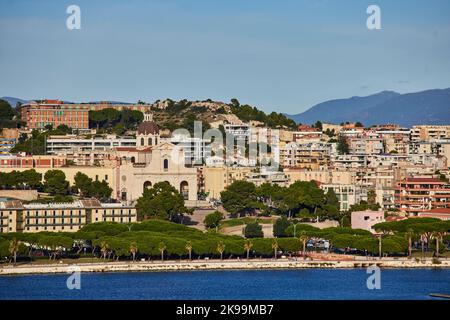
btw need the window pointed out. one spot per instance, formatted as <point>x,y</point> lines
<point>166,164</point>
<point>142,141</point>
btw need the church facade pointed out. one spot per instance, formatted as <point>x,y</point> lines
<point>157,161</point>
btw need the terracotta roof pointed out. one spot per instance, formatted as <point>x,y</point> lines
<point>430,180</point>
<point>148,127</point>
<point>129,149</point>
<point>438,210</point>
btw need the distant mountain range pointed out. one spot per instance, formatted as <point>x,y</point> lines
<point>13,101</point>
<point>425,107</point>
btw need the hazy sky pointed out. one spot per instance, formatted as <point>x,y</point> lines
<point>278,55</point>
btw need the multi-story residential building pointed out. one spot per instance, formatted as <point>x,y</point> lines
<point>216,179</point>
<point>57,217</point>
<point>241,132</point>
<point>6,144</point>
<point>322,176</point>
<point>313,155</point>
<point>414,195</point>
<point>73,143</point>
<point>365,145</point>
<point>38,114</point>
<point>307,133</point>
<point>196,150</point>
<point>429,133</point>
<point>348,194</point>
<point>267,176</point>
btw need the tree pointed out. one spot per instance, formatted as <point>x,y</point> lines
<point>248,245</point>
<point>104,249</point>
<point>212,220</point>
<point>235,102</point>
<point>275,248</point>
<point>82,184</point>
<point>371,197</point>
<point>7,115</point>
<point>133,250</point>
<point>55,182</point>
<point>162,201</point>
<point>14,245</point>
<point>253,230</point>
<point>410,234</point>
<point>318,125</point>
<point>239,197</point>
<point>359,125</point>
<point>280,226</point>
<point>303,238</point>
<point>88,188</point>
<point>162,247</point>
<point>188,247</point>
<point>221,248</point>
<point>342,145</point>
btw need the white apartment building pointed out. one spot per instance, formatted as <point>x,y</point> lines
<point>348,194</point>
<point>196,151</point>
<point>55,144</point>
<point>241,132</point>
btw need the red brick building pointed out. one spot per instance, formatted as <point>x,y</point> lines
<point>75,115</point>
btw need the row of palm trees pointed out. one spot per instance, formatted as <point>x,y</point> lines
<point>105,251</point>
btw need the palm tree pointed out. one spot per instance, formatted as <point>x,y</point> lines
<point>275,248</point>
<point>410,234</point>
<point>221,249</point>
<point>189,249</point>
<point>133,249</point>
<point>303,239</point>
<point>162,247</point>
<point>438,235</point>
<point>380,252</point>
<point>248,245</point>
<point>104,249</point>
<point>14,245</point>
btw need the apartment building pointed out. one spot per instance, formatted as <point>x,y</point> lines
<point>60,217</point>
<point>429,133</point>
<point>241,132</point>
<point>365,145</point>
<point>72,143</point>
<point>347,194</point>
<point>196,150</point>
<point>414,195</point>
<point>216,179</point>
<point>322,176</point>
<point>312,156</point>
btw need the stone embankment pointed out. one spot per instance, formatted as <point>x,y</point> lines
<point>214,265</point>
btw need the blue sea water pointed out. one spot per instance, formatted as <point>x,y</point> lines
<point>255,284</point>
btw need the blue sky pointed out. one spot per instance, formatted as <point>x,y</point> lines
<point>278,55</point>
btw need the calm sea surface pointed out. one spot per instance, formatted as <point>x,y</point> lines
<point>258,284</point>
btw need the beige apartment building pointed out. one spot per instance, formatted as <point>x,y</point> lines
<point>327,177</point>
<point>216,179</point>
<point>60,217</point>
<point>429,133</point>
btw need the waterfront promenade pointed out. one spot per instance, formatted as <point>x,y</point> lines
<point>184,265</point>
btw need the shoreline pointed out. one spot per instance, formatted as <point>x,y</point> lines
<point>171,266</point>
